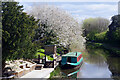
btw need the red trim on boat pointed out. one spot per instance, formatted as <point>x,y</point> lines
<point>79,57</point>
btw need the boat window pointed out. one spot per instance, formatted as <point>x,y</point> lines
<point>74,60</point>
<point>69,59</point>
<point>64,59</point>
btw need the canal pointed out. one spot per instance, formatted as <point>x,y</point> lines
<point>98,63</point>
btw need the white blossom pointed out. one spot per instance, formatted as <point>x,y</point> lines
<point>68,29</point>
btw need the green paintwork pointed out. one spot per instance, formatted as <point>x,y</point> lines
<point>75,64</point>
<point>72,54</point>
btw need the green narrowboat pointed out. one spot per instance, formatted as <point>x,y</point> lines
<point>72,59</point>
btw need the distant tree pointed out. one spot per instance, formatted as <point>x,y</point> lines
<point>17,32</point>
<point>92,26</point>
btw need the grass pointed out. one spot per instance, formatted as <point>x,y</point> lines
<point>41,53</point>
<point>56,73</point>
<point>58,54</point>
<point>50,58</point>
<point>41,50</point>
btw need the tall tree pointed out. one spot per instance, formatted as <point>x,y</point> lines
<point>45,36</point>
<point>17,32</point>
<point>114,29</point>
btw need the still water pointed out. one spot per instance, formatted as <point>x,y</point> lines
<point>95,67</point>
<point>97,64</point>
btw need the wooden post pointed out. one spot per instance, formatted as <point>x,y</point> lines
<point>76,53</point>
<point>38,58</point>
<point>53,64</point>
<point>45,60</point>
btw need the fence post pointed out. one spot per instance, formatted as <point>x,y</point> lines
<point>45,60</point>
<point>38,58</point>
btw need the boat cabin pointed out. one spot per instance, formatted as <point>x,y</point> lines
<point>72,57</point>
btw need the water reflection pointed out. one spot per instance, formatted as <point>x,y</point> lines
<point>94,71</point>
<point>97,64</point>
<point>95,59</point>
<point>114,66</point>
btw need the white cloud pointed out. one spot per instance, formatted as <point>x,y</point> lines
<point>87,10</point>
<point>89,6</point>
<point>83,11</point>
<point>67,0</point>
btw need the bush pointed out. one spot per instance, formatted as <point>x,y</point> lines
<point>58,54</point>
<point>41,50</point>
<point>116,34</point>
<point>101,37</point>
<point>41,55</point>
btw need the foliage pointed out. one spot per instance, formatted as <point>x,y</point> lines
<point>41,53</point>
<point>110,39</point>
<point>41,50</point>
<point>114,35</point>
<point>56,73</point>
<point>60,49</point>
<point>67,30</point>
<point>58,54</point>
<point>50,58</point>
<point>91,36</point>
<point>112,48</point>
<point>45,36</point>
<point>101,37</point>
<point>91,26</point>
<point>17,32</point>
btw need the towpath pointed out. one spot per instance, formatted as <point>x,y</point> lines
<point>43,73</point>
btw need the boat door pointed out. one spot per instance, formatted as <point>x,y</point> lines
<point>69,59</point>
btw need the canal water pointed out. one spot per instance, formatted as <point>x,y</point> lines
<point>98,63</point>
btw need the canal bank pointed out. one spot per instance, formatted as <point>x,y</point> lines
<point>113,48</point>
<point>42,73</point>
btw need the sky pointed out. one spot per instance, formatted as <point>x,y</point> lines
<point>67,0</point>
<point>79,9</point>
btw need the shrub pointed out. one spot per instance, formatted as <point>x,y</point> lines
<point>101,37</point>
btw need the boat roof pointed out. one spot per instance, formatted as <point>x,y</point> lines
<point>72,54</point>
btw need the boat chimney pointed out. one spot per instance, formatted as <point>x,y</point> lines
<point>76,53</point>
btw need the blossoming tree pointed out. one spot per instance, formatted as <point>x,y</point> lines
<point>68,30</point>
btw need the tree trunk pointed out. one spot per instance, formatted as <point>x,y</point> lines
<point>3,66</point>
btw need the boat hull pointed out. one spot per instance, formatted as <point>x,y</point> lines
<point>67,69</point>
<point>68,66</point>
